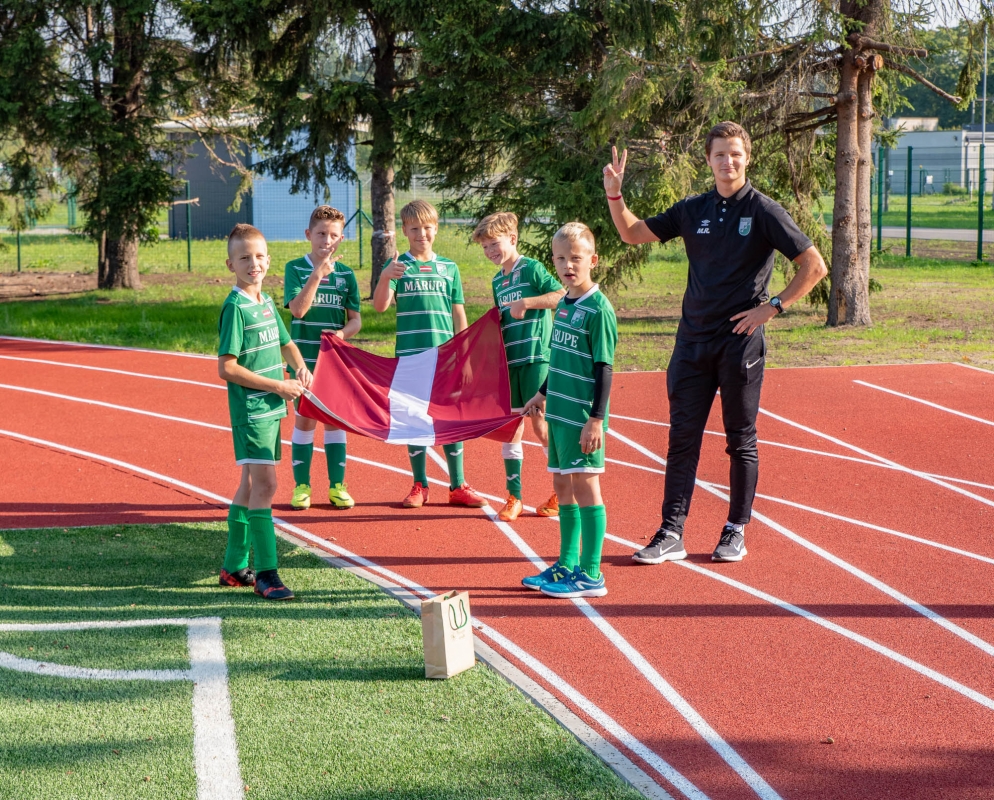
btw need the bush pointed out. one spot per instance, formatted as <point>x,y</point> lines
<point>953,188</point>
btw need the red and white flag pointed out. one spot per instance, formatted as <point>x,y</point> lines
<point>451,393</point>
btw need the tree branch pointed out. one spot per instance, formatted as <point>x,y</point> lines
<point>820,112</point>
<point>816,124</point>
<point>923,81</point>
<point>863,43</point>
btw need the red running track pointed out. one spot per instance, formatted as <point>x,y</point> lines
<point>862,612</point>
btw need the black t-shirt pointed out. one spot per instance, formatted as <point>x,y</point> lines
<point>730,243</point>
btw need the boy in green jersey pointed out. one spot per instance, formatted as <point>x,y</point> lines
<point>322,294</point>
<point>584,336</point>
<point>524,291</point>
<point>253,344</point>
<point>430,311</point>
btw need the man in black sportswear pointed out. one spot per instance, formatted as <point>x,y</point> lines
<point>730,235</point>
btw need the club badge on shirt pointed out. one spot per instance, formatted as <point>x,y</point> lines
<point>578,317</point>
<point>440,268</point>
<point>340,283</point>
<point>745,225</point>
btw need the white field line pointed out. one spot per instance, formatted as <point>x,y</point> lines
<point>566,690</point>
<point>925,402</point>
<point>914,605</point>
<point>110,347</point>
<point>115,371</point>
<point>822,453</point>
<point>657,681</point>
<point>971,366</point>
<point>215,749</point>
<point>923,475</point>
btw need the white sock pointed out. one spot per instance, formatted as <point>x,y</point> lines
<point>735,526</point>
<point>302,437</point>
<point>334,436</point>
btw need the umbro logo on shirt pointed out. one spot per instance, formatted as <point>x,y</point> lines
<point>704,226</point>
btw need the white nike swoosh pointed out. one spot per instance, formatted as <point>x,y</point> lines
<point>754,363</point>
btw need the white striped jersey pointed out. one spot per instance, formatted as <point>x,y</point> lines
<point>337,293</point>
<point>583,333</point>
<point>525,340</point>
<point>425,295</point>
<point>254,333</point>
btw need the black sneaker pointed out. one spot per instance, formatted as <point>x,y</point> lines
<point>269,585</point>
<point>242,577</point>
<point>731,546</point>
<point>665,546</point>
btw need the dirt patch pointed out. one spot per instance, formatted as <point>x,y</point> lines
<point>35,285</point>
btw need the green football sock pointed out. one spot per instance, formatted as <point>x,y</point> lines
<point>593,524</point>
<point>569,535</point>
<point>453,458</point>
<point>300,456</point>
<point>260,526</point>
<point>236,556</point>
<point>419,467</point>
<point>335,455</point>
<point>512,470</point>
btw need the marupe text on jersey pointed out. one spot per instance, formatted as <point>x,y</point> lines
<point>424,286</point>
<point>560,336</point>
<point>269,335</point>
<point>323,299</point>
<point>510,297</point>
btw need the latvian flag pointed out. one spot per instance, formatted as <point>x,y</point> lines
<point>451,393</point>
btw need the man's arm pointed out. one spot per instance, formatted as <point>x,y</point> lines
<point>631,229</point>
<point>810,269</point>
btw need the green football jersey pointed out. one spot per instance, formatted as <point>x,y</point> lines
<point>425,296</point>
<point>583,333</point>
<point>254,333</point>
<point>337,293</point>
<point>525,340</point>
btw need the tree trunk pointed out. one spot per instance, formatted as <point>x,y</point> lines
<point>858,288</point>
<point>845,256</point>
<point>121,257</point>
<point>384,244</point>
<point>103,267</point>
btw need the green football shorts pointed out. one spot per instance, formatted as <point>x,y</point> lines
<point>257,442</point>
<point>565,455</point>
<point>526,380</point>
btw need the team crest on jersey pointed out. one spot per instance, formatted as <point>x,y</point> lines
<point>339,283</point>
<point>516,277</point>
<point>440,268</point>
<point>745,225</point>
<point>578,317</point>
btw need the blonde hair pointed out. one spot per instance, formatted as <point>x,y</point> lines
<point>243,231</point>
<point>322,213</point>
<point>576,232</point>
<point>419,211</point>
<point>503,223</point>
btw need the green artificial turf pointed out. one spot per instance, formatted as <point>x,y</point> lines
<point>328,692</point>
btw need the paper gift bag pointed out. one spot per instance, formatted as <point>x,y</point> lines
<point>448,635</point>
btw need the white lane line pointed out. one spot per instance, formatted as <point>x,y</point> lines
<point>568,691</point>
<point>116,371</point>
<point>971,366</point>
<point>822,453</point>
<point>215,748</point>
<point>110,347</point>
<point>917,473</point>
<point>914,605</point>
<point>893,655</point>
<point>925,402</point>
<point>869,525</point>
<point>657,681</point>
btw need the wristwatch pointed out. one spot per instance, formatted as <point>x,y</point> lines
<point>775,302</point>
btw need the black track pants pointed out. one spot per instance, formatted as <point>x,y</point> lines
<point>734,364</point>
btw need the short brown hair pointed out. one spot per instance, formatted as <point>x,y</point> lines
<point>728,130</point>
<point>503,223</point>
<point>322,213</point>
<point>576,232</point>
<point>243,231</point>
<point>419,211</point>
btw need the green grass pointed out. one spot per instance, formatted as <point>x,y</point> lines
<point>927,211</point>
<point>328,693</point>
<point>928,309</point>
